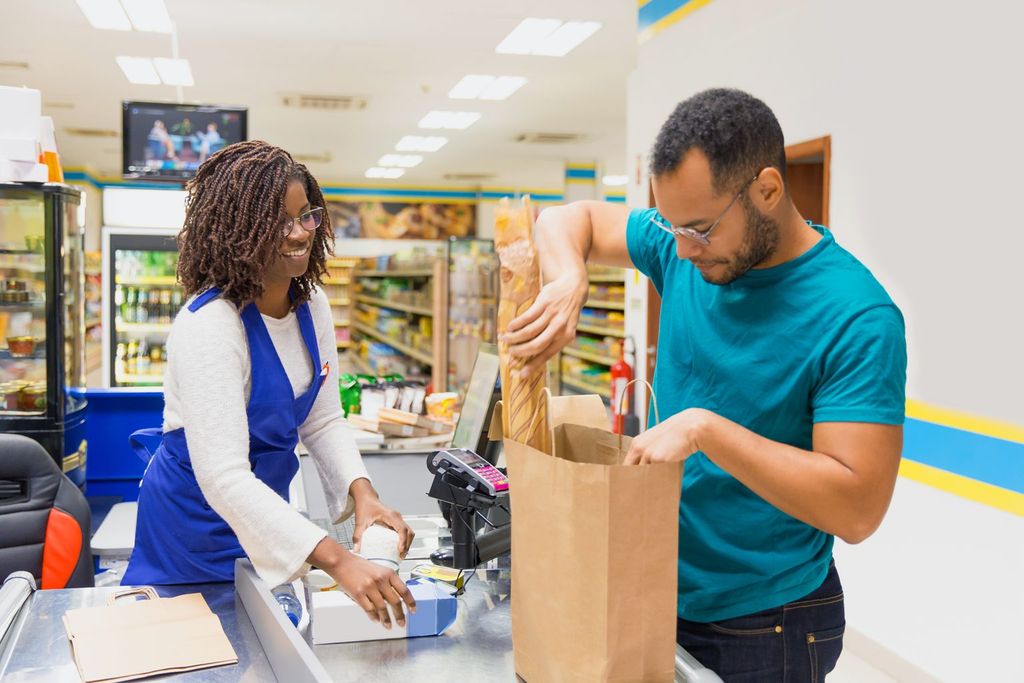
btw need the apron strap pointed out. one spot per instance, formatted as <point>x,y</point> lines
<point>309,336</point>
<point>140,449</point>
<point>204,298</point>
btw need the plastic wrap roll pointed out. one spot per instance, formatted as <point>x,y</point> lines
<point>380,545</point>
<point>524,404</point>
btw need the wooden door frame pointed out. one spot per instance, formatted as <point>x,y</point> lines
<point>815,150</point>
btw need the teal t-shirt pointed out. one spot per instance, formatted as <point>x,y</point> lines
<point>816,339</point>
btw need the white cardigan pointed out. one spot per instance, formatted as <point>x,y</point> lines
<point>206,390</point>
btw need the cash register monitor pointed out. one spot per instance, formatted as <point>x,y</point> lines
<point>470,432</point>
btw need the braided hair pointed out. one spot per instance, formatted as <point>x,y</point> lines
<point>234,211</point>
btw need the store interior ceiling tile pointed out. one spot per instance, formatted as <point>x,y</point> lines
<point>401,57</point>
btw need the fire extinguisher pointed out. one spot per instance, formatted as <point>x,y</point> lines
<point>622,374</point>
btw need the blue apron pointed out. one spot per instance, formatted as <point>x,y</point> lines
<point>178,537</point>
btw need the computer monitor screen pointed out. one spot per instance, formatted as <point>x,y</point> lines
<point>476,407</point>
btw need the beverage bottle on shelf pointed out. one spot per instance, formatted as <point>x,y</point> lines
<point>119,299</point>
<point>166,314</point>
<point>128,312</point>
<point>130,357</point>
<point>175,301</point>
<point>119,359</point>
<point>156,365</point>
<point>142,361</point>
<point>154,305</point>
<point>142,307</point>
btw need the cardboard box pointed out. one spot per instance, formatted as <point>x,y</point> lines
<point>337,619</point>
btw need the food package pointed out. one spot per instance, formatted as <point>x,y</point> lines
<point>525,418</point>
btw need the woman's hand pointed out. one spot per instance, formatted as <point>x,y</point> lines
<point>370,511</point>
<point>371,586</point>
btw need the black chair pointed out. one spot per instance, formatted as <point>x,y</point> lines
<point>44,518</point>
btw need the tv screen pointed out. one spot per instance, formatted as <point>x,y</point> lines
<point>163,141</point>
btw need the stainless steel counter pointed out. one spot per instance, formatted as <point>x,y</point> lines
<point>477,647</point>
<point>38,650</point>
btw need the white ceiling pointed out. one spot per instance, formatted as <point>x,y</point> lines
<point>403,56</point>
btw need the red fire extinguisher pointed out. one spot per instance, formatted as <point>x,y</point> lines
<point>622,374</point>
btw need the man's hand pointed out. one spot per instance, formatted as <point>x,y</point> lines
<point>370,511</point>
<point>550,323</point>
<point>675,439</point>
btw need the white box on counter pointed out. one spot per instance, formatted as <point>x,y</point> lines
<point>19,149</point>
<point>336,618</point>
<point>23,172</point>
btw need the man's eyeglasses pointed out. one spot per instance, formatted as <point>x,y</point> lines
<point>308,221</point>
<point>700,236</point>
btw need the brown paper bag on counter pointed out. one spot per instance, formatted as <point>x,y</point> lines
<point>130,640</point>
<point>594,554</point>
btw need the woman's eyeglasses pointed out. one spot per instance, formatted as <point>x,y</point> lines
<point>308,221</point>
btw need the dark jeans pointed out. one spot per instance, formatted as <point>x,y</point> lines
<point>796,643</point>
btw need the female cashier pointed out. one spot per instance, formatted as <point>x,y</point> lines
<point>253,368</point>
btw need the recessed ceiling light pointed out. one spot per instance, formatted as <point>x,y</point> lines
<point>139,70</point>
<point>105,14</point>
<point>377,172</point>
<point>453,120</point>
<point>486,87</point>
<point>148,15</point>
<point>615,180</point>
<point>400,160</point>
<point>420,143</point>
<point>174,71</point>
<point>549,37</point>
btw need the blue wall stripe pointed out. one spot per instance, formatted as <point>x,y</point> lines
<point>657,9</point>
<point>392,192</point>
<point>587,173</point>
<point>968,454</point>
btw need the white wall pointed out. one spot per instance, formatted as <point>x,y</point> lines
<point>923,103</point>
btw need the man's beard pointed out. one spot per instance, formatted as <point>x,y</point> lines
<point>759,244</point>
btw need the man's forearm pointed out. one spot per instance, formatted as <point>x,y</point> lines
<point>810,486</point>
<point>563,235</point>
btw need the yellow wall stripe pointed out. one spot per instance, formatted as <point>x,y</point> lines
<point>971,489</point>
<point>669,19</point>
<point>964,421</point>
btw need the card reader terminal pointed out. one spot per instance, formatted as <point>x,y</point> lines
<point>478,474</point>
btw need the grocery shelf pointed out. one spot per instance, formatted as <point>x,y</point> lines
<point>29,306</point>
<point>408,308</point>
<point>339,302</point>
<point>412,272</point>
<point>587,355</point>
<point>345,344</point>
<point>610,305</point>
<point>155,280</point>
<point>38,354</point>
<point>589,387</point>
<point>27,267</point>
<point>341,323</point>
<point>139,379</point>
<point>337,281</point>
<point>604,331</point>
<point>143,328</point>
<point>415,354</point>
<point>360,365</point>
<point>341,263</point>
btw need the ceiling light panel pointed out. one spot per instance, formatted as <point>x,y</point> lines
<point>377,172</point>
<point>421,143</point>
<point>547,37</point>
<point>502,87</point>
<point>148,15</point>
<point>139,70</point>
<point>174,71</point>
<point>105,14</point>
<point>451,120</point>
<point>400,160</point>
<point>470,87</point>
<point>527,35</point>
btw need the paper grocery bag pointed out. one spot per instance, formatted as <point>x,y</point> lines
<point>594,554</point>
<point>130,640</point>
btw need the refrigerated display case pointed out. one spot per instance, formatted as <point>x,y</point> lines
<point>142,296</point>
<point>472,306</point>
<point>42,320</point>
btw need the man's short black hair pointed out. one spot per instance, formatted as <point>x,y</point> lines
<point>737,132</point>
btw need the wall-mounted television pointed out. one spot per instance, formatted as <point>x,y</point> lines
<point>166,141</point>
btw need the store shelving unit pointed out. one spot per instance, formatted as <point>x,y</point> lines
<point>338,288</point>
<point>369,308</point>
<point>586,363</point>
<point>472,306</point>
